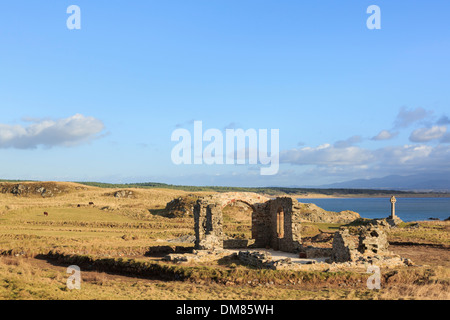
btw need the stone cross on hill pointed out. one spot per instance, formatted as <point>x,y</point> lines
<point>393,201</point>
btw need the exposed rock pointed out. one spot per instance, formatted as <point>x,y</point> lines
<point>264,260</point>
<point>183,239</point>
<point>310,212</point>
<point>124,194</point>
<point>226,198</point>
<point>323,237</point>
<point>44,189</point>
<point>199,256</point>
<point>182,206</point>
<point>394,222</point>
<point>18,189</point>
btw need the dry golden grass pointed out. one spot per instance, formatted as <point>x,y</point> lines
<point>123,227</point>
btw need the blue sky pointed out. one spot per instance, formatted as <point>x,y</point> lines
<point>101,103</point>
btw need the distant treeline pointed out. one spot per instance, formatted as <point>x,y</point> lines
<point>265,190</point>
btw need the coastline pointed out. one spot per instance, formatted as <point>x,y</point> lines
<point>349,196</point>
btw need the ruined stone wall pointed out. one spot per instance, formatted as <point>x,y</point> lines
<point>264,260</point>
<point>373,240</point>
<point>276,224</point>
<point>370,241</point>
<point>208,224</point>
<point>261,222</point>
<point>290,241</point>
<point>344,246</point>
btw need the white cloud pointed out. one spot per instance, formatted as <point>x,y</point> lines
<point>385,135</point>
<point>352,161</point>
<point>407,117</point>
<point>445,138</point>
<point>49,133</point>
<point>443,120</point>
<point>428,134</point>
<point>402,155</point>
<point>326,155</point>
<point>349,142</point>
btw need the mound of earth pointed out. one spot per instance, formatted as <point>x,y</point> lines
<point>43,189</point>
<point>309,212</point>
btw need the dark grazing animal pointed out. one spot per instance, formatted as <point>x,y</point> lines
<point>91,203</point>
<point>46,214</point>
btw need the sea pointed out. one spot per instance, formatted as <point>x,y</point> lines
<point>407,209</point>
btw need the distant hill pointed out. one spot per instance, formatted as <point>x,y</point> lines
<point>273,191</point>
<point>417,182</point>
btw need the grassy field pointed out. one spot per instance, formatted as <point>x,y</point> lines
<point>111,240</point>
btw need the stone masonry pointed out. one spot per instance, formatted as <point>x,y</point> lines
<point>208,222</point>
<point>373,240</point>
<point>275,223</point>
<point>344,246</point>
<point>369,241</point>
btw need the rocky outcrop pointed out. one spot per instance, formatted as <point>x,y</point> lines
<point>226,198</point>
<point>124,194</point>
<point>182,206</point>
<point>26,189</point>
<point>121,194</point>
<point>309,212</point>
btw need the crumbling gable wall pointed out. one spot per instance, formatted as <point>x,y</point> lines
<point>370,241</point>
<point>276,224</point>
<point>208,224</point>
<point>373,240</point>
<point>344,246</point>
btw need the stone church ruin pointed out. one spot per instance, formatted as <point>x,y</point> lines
<point>275,222</point>
<point>277,225</point>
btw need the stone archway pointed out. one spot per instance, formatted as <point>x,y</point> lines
<point>275,223</point>
<point>237,221</point>
<point>208,217</point>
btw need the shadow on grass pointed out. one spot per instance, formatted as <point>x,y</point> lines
<point>161,251</point>
<point>153,271</point>
<point>159,212</point>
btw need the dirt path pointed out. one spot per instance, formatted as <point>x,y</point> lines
<point>424,255</point>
